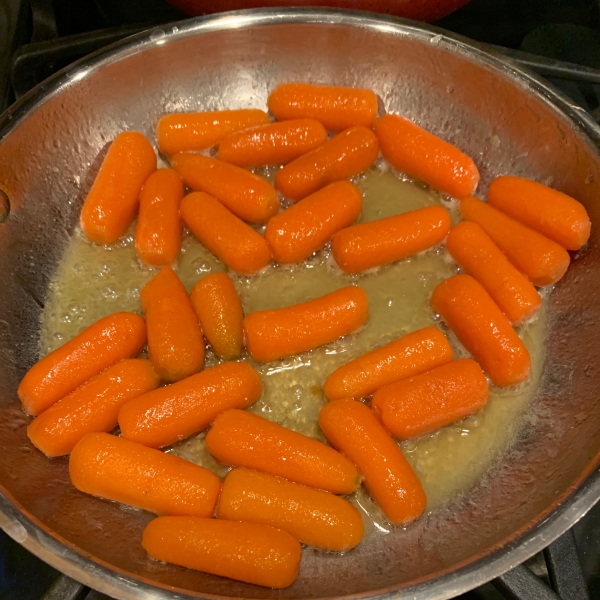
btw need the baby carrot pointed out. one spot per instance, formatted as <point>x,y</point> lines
<point>410,355</point>
<point>219,310</point>
<point>481,327</point>
<point>477,254</point>
<point>246,195</point>
<point>158,229</point>
<point>426,402</point>
<point>247,552</point>
<point>353,429</point>
<point>177,411</point>
<point>346,155</point>
<point>424,156</point>
<point>274,334</point>
<point>336,107</point>
<point>92,407</point>
<point>242,439</point>
<point>273,144</point>
<point>307,226</point>
<point>227,237</point>
<point>182,132</point>
<point>540,259</point>
<point>175,341</point>
<point>112,203</point>
<point>104,343</point>
<point>116,469</point>
<point>367,245</point>
<point>312,516</point>
<point>552,213</point>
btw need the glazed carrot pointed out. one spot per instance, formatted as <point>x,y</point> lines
<point>307,226</point>
<point>116,469</point>
<point>410,355</point>
<point>367,245</point>
<point>353,429</point>
<point>112,203</point>
<point>175,342</point>
<point>247,552</point>
<point>227,237</point>
<point>424,156</point>
<point>182,132</point>
<point>158,229</point>
<point>273,144</point>
<point>219,310</point>
<point>426,402</point>
<point>336,107</point>
<point>242,439</point>
<point>177,411</point>
<point>552,213</point>
<point>274,334</point>
<point>92,407</point>
<point>477,254</point>
<point>540,259</point>
<point>483,330</point>
<point>246,195</point>
<point>346,155</point>
<point>102,344</point>
<point>312,516</point>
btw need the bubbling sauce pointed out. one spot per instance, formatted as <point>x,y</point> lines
<point>92,281</point>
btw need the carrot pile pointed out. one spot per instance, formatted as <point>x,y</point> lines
<point>284,488</point>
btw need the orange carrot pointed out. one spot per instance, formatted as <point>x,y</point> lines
<point>477,254</point>
<point>410,355</point>
<point>158,230</point>
<point>426,402</point>
<point>177,411</point>
<point>385,241</point>
<point>312,516</point>
<point>106,342</point>
<point>274,334</point>
<point>116,469</point>
<point>227,237</point>
<point>306,227</point>
<point>273,144</point>
<point>552,213</point>
<point>181,132</point>
<point>112,203</point>
<point>353,429</point>
<point>424,156</point>
<point>92,407</point>
<point>219,310</point>
<point>247,552</point>
<point>242,439</point>
<point>175,341</point>
<point>336,107</point>
<point>246,195</point>
<point>481,327</point>
<point>540,259</point>
<point>346,155</point>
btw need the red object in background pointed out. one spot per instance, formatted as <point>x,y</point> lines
<point>419,10</point>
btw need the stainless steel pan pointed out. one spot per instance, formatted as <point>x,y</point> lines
<point>509,121</point>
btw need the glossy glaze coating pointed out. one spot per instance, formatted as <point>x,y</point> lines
<point>368,245</point>
<point>106,342</point>
<point>342,157</point>
<point>353,429</point>
<point>242,439</point>
<point>307,226</point>
<point>424,403</point>
<point>117,469</point>
<point>112,203</point>
<point>175,412</point>
<point>273,334</point>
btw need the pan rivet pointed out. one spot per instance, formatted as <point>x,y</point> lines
<point>4,206</point>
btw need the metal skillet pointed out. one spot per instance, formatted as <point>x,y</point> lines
<point>508,120</point>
